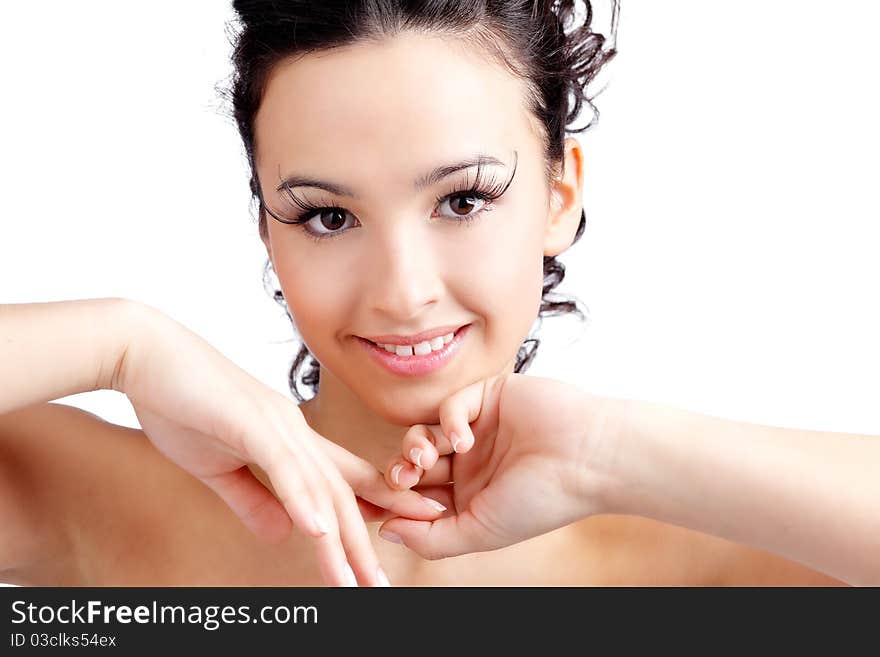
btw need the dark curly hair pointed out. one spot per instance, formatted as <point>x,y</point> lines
<point>536,40</point>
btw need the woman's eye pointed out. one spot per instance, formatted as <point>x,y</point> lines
<point>327,221</point>
<point>463,205</point>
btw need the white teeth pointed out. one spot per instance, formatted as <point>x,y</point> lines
<point>420,349</point>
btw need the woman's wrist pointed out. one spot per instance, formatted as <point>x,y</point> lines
<point>599,422</point>
<point>650,456</point>
<point>115,324</point>
<point>135,325</point>
<point>633,457</point>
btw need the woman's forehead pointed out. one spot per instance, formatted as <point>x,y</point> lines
<point>375,100</point>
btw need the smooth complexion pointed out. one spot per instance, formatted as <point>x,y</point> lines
<point>373,118</point>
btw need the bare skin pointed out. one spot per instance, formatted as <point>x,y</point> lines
<point>109,509</point>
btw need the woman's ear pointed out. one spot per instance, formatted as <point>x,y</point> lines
<point>566,204</point>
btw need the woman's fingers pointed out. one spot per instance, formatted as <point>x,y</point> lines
<point>358,546</point>
<point>447,537</point>
<point>373,513</point>
<point>424,460</point>
<point>348,557</point>
<point>407,503</point>
<point>368,483</point>
<point>311,506</point>
<point>423,443</point>
<point>441,493</point>
<point>401,475</point>
<point>457,412</point>
<point>439,475</point>
<point>408,476</point>
<point>355,538</point>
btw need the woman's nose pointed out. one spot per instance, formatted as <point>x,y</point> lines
<point>404,277</point>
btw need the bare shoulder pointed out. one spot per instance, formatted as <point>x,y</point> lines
<point>55,442</point>
<point>55,461</point>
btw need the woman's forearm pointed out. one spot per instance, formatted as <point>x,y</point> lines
<point>59,348</point>
<point>810,496</point>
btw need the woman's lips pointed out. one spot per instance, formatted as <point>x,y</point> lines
<point>415,365</point>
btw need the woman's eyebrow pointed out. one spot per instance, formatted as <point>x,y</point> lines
<point>426,180</point>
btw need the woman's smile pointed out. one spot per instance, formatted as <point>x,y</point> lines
<point>414,360</point>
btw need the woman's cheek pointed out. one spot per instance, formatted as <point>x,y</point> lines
<point>511,261</point>
<point>315,299</point>
<point>505,278</point>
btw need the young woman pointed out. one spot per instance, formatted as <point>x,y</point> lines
<point>415,187</point>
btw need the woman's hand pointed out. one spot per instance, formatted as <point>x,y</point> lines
<point>524,455</point>
<point>212,418</point>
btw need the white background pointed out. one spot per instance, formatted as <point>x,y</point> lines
<point>729,263</point>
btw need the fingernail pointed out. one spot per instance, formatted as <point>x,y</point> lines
<point>415,454</point>
<point>454,439</point>
<point>395,474</point>
<point>434,504</point>
<point>390,536</point>
<point>350,579</point>
<point>320,525</point>
<point>382,577</point>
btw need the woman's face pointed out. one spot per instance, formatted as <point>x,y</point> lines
<point>372,120</point>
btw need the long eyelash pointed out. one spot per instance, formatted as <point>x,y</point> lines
<point>487,190</point>
<point>479,187</point>
<point>308,208</point>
